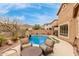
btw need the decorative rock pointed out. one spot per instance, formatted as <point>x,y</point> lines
<point>9,42</point>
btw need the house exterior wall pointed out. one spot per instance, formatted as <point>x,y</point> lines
<point>48,26</point>
<point>77,20</point>
<point>77,29</point>
<point>47,29</point>
<point>66,17</point>
<point>54,25</point>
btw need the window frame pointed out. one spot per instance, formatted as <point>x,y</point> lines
<point>64,32</point>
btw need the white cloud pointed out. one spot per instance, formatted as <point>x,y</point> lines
<point>52,5</point>
<point>5,8</point>
<point>21,18</point>
<point>3,11</point>
<point>41,18</point>
<point>20,5</point>
<point>26,5</point>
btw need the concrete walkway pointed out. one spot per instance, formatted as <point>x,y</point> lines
<point>63,48</point>
<point>13,50</point>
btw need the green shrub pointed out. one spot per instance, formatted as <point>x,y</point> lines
<point>2,40</point>
<point>15,37</point>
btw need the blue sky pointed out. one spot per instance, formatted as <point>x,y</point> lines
<point>31,13</point>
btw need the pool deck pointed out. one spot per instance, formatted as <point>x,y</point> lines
<point>35,45</point>
<point>62,48</point>
<point>13,50</point>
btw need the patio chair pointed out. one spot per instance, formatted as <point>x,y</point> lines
<point>26,45</point>
<point>50,43</point>
<point>35,45</point>
<point>25,40</point>
<point>46,49</point>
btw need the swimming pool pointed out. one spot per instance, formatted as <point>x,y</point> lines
<point>37,39</point>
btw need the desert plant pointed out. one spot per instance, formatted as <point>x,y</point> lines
<point>2,40</point>
<point>37,27</point>
<point>15,37</point>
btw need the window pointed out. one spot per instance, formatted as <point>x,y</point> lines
<point>64,30</point>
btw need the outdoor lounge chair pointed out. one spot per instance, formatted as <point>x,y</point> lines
<point>25,43</point>
<point>46,49</point>
<point>50,43</point>
<point>35,45</point>
<point>25,40</point>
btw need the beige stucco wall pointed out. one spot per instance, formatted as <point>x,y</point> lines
<point>77,20</point>
<point>54,28</point>
<point>77,29</point>
<point>66,17</point>
<point>55,23</point>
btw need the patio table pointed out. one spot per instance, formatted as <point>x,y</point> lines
<point>31,51</point>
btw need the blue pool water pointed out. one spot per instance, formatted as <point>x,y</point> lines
<point>38,39</point>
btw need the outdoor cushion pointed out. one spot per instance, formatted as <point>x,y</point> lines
<point>49,43</point>
<point>43,47</point>
<point>46,49</point>
<point>49,50</point>
<point>26,45</point>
